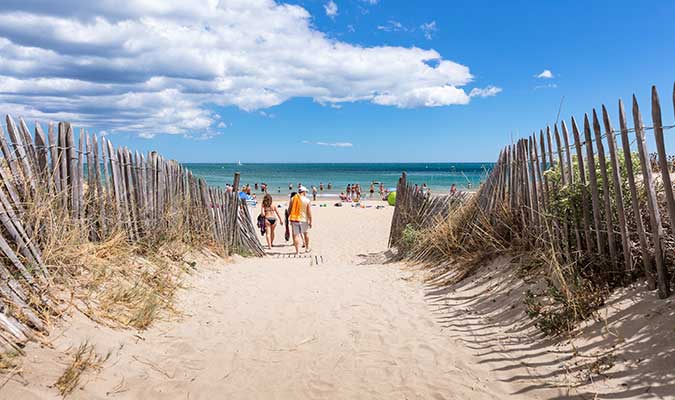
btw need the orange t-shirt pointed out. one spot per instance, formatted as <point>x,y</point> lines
<point>296,205</point>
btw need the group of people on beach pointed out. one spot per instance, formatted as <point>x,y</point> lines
<point>353,192</point>
<point>298,217</point>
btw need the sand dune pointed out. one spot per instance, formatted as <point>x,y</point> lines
<point>281,328</point>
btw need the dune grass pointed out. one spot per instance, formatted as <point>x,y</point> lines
<point>84,358</point>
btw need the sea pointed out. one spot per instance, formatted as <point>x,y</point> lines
<point>439,177</point>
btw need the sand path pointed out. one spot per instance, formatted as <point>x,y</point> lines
<point>278,328</point>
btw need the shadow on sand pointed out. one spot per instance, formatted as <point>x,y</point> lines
<point>627,352</point>
<point>381,257</point>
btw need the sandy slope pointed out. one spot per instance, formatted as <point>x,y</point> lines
<point>281,328</point>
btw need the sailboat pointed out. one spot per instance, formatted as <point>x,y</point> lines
<point>239,163</point>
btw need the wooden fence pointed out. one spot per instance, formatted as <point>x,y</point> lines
<point>104,190</point>
<point>417,210</point>
<point>571,187</point>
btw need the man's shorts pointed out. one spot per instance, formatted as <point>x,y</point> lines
<point>299,227</point>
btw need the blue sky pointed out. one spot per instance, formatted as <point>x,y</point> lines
<point>340,81</point>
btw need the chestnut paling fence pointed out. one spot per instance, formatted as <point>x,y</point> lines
<point>417,210</point>
<point>103,190</point>
<point>588,190</point>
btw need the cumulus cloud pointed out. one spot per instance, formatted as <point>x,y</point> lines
<point>426,97</point>
<point>545,74</point>
<point>151,67</point>
<point>485,92</point>
<point>331,9</point>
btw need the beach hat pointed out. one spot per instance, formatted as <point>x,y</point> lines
<point>302,189</point>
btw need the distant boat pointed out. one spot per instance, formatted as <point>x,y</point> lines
<point>239,163</point>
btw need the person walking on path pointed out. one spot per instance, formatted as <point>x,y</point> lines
<point>301,219</point>
<point>271,217</point>
<point>287,213</point>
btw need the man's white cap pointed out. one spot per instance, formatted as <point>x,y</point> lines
<point>302,189</point>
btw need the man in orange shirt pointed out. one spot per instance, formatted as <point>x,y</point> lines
<point>300,218</point>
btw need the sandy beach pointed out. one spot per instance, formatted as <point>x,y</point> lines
<point>278,327</point>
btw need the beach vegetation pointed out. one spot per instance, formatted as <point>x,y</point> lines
<point>84,358</point>
<point>9,360</point>
<point>410,236</point>
<point>564,291</point>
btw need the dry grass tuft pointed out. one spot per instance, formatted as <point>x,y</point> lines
<point>8,360</point>
<point>462,242</point>
<point>84,358</point>
<point>112,279</point>
<point>456,248</point>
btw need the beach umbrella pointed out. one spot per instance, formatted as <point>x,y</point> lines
<point>391,198</point>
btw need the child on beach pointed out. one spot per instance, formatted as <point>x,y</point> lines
<point>271,214</point>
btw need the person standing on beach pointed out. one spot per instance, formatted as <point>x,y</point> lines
<point>349,192</point>
<point>453,189</point>
<point>321,186</point>
<point>287,213</point>
<point>271,215</point>
<point>382,190</point>
<point>372,190</point>
<point>301,219</point>
<point>313,193</point>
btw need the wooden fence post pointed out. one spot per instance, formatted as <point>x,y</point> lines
<point>609,224</point>
<point>618,195</point>
<point>662,157</point>
<point>584,194</point>
<point>593,180</point>
<point>654,215</point>
<point>628,159</point>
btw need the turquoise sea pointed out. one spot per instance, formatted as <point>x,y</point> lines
<point>438,176</point>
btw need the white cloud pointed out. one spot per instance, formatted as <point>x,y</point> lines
<point>330,144</point>
<point>331,9</point>
<point>545,74</point>
<point>393,26</point>
<point>371,2</point>
<point>429,28</point>
<point>424,97</point>
<point>488,91</point>
<point>335,144</point>
<point>547,86</point>
<point>150,67</point>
